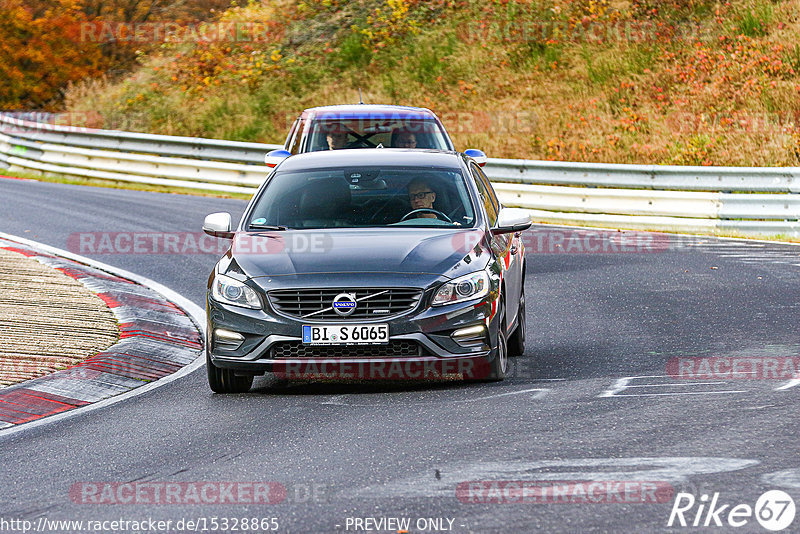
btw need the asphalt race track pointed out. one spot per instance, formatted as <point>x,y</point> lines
<point>592,399</point>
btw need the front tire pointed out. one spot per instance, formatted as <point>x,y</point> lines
<point>516,343</point>
<point>224,380</point>
<point>499,364</point>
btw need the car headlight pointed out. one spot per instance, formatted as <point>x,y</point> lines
<point>471,286</point>
<point>226,289</point>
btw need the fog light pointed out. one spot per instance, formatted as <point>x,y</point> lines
<point>471,332</point>
<point>227,340</point>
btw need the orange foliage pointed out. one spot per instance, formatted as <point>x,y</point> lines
<point>44,43</point>
<point>41,52</point>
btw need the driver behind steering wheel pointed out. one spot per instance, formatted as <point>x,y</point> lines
<point>421,196</point>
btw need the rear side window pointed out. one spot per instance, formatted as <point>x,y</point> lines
<point>293,141</point>
<point>487,196</point>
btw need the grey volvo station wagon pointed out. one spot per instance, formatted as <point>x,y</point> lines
<point>368,264</point>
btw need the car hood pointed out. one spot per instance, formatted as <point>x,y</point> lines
<point>408,255</point>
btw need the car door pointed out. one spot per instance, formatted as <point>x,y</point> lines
<point>502,245</point>
<point>514,286</point>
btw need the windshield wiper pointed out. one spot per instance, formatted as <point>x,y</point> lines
<point>268,227</point>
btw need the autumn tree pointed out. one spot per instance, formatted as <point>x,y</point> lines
<point>40,52</point>
<point>43,47</point>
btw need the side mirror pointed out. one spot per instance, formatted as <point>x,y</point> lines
<point>218,225</point>
<point>478,155</point>
<point>512,220</point>
<point>274,157</point>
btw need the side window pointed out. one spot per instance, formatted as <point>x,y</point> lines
<point>293,141</point>
<point>289,137</point>
<point>489,188</point>
<point>486,196</point>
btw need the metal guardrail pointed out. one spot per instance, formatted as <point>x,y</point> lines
<point>115,140</point>
<point>659,177</point>
<point>687,199</point>
<point>190,162</point>
<point>748,200</point>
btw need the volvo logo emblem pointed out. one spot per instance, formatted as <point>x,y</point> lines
<point>344,304</point>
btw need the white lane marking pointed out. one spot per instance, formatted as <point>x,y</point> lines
<point>669,385</point>
<point>788,385</point>
<point>667,469</point>
<point>760,407</point>
<point>539,393</point>
<point>678,393</point>
<point>339,400</point>
<point>790,478</point>
<point>336,400</point>
<point>195,312</point>
<point>625,383</point>
<point>619,385</point>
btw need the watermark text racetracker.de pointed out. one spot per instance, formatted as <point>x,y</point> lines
<point>180,32</point>
<point>545,241</point>
<point>188,243</point>
<point>734,367</point>
<point>564,492</point>
<point>537,241</point>
<point>558,241</point>
<point>488,121</point>
<point>554,32</point>
<point>194,493</point>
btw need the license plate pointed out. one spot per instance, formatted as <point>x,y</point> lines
<point>346,334</point>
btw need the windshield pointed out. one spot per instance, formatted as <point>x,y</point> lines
<point>364,197</point>
<point>332,134</point>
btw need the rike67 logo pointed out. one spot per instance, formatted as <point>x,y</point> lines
<point>774,510</point>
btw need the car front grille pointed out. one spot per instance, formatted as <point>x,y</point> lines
<point>401,348</point>
<point>316,304</point>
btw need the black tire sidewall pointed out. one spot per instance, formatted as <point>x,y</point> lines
<point>516,342</point>
<point>496,372</point>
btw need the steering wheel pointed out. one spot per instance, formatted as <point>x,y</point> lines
<point>439,214</point>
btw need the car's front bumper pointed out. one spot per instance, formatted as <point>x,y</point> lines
<point>273,343</point>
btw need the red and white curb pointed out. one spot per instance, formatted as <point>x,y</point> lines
<point>161,339</point>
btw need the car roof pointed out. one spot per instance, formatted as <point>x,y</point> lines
<point>367,111</point>
<point>371,157</point>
